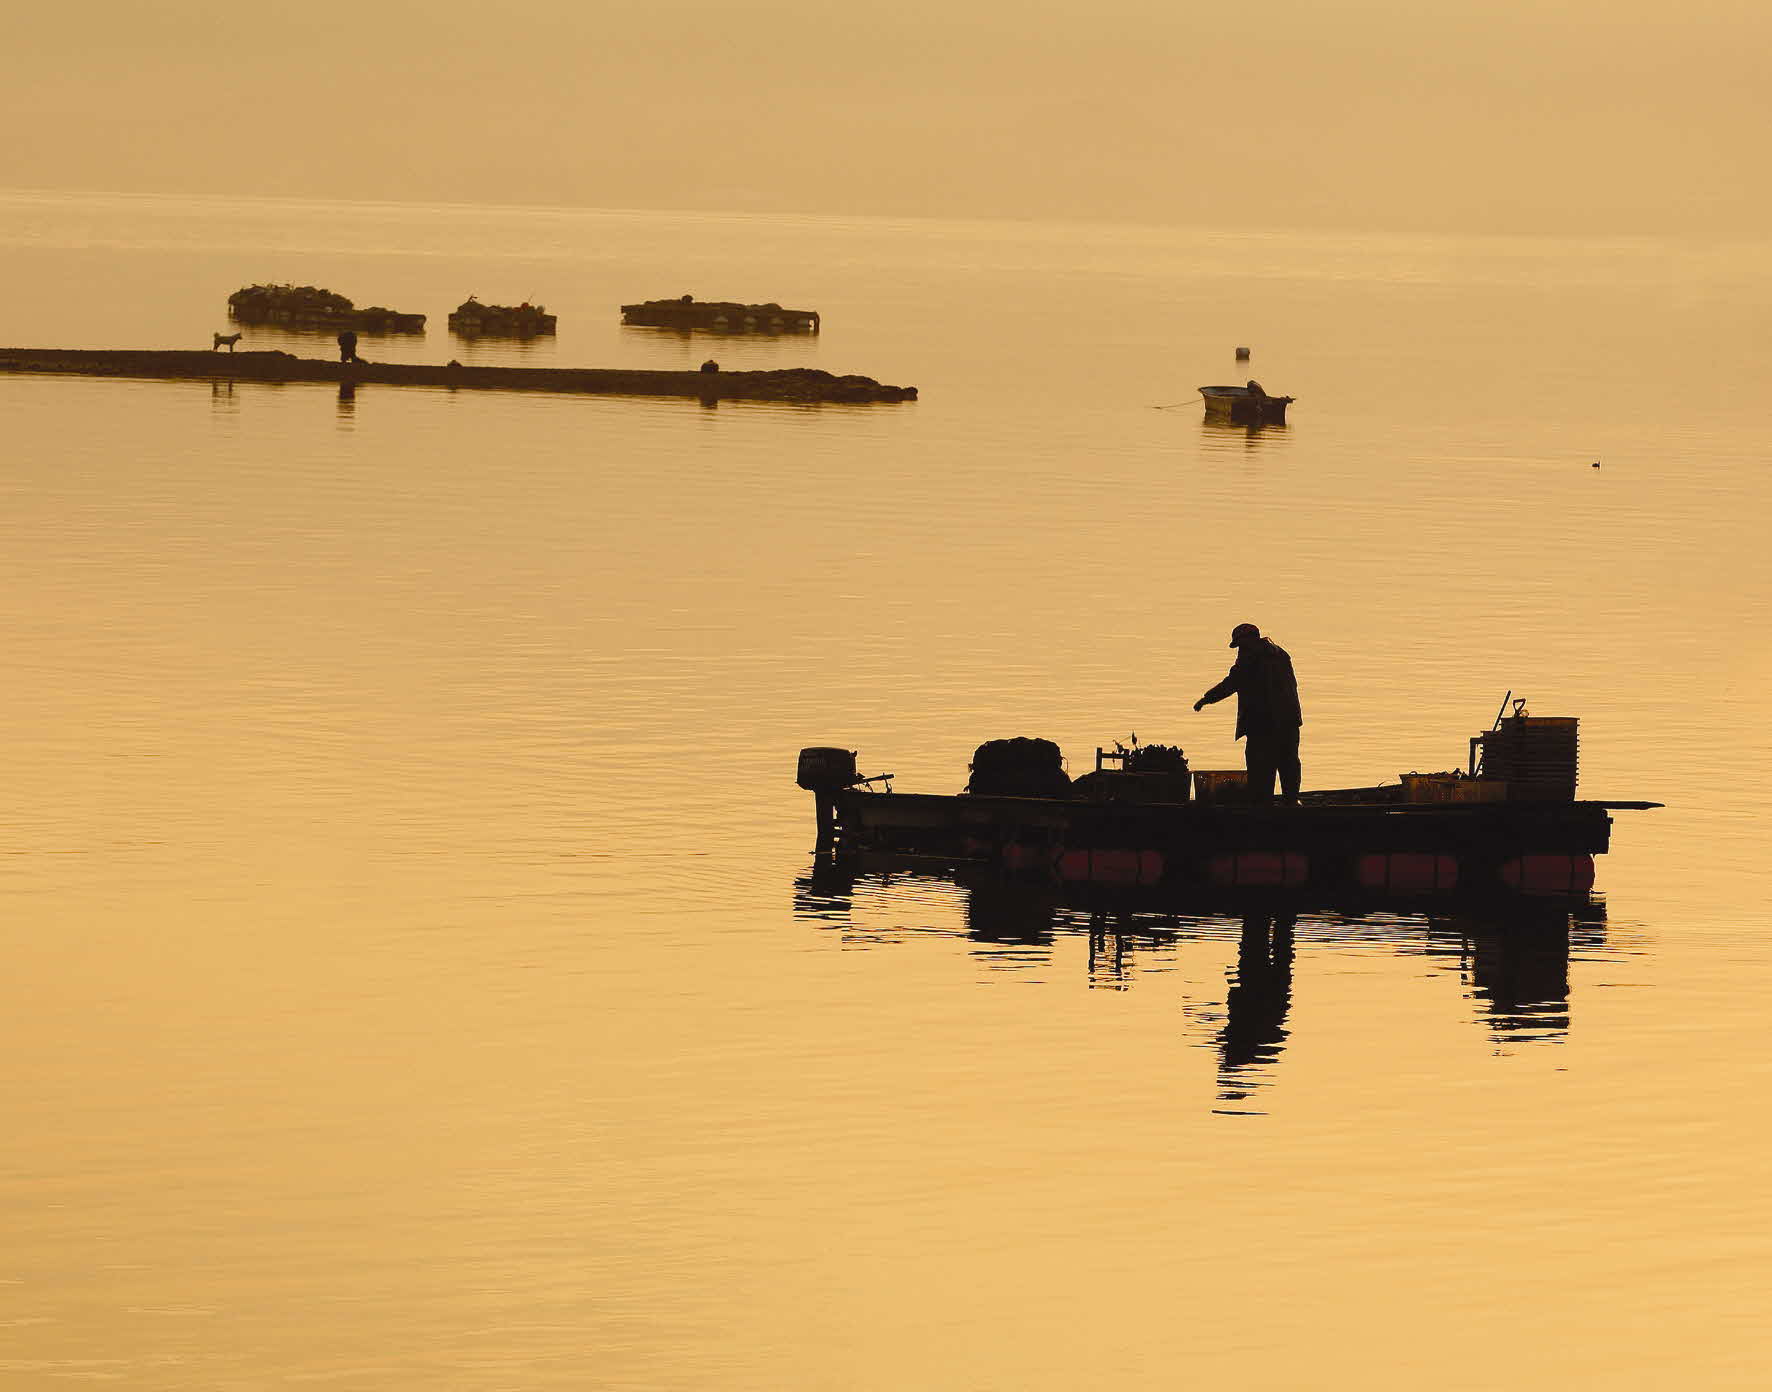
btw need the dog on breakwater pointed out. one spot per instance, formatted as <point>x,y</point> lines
<point>229,339</point>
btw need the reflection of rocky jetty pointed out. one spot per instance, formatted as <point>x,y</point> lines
<point>310,307</point>
<point>720,315</point>
<point>509,321</point>
<point>792,384</point>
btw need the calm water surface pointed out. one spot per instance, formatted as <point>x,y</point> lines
<point>418,972</point>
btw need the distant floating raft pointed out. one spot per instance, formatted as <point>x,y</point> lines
<point>1245,406</point>
<point>313,307</point>
<point>473,319</point>
<point>720,316</point>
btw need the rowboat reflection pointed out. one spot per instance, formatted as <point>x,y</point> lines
<point>1512,956</point>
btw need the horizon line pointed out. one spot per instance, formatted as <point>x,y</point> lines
<point>1338,231</point>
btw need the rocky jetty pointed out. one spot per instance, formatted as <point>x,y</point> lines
<point>471,318</point>
<point>721,316</point>
<point>311,307</point>
<point>805,384</point>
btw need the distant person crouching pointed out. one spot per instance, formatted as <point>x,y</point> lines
<point>347,347</point>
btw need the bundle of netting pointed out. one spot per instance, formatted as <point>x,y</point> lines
<point>1156,758</point>
<point>1019,768</point>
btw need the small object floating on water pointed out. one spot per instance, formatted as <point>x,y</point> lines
<point>1242,355</point>
<point>1596,463</point>
<point>1245,405</point>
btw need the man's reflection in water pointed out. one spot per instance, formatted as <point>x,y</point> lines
<point>347,402</point>
<point>1260,995</point>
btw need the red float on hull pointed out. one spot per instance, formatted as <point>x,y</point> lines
<point>1112,867</point>
<point>1411,872</point>
<point>1549,874</point>
<point>1263,868</point>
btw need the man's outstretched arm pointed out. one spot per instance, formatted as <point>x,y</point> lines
<point>1219,692</point>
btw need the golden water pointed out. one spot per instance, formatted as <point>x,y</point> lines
<point>417,977</point>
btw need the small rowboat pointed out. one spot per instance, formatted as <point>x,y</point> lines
<point>1245,405</point>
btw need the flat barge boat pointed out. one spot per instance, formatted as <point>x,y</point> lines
<point>1508,826</point>
<point>799,384</point>
<point>720,316</point>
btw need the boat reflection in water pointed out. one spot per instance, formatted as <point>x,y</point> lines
<point>1225,435</point>
<point>1512,955</point>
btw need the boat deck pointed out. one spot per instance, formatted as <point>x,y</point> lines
<point>1419,846</point>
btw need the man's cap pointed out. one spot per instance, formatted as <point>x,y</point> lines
<point>1244,633</point>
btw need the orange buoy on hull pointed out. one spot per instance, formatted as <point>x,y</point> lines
<point>1259,868</point>
<point>1407,871</point>
<point>1549,874</point>
<point>1112,866</point>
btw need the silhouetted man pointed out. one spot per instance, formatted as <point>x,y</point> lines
<point>347,347</point>
<point>1267,711</point>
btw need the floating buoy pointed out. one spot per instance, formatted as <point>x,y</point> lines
<point>1259,868</point>
<point>1112,866</point>
<point>1018,857</point>
<point>1549,874</point>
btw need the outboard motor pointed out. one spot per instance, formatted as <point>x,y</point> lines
<point>824,772</point>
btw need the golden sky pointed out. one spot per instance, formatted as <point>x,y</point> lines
<point>1591,116</point>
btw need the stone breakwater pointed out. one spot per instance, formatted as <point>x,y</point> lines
<point>788,384</point>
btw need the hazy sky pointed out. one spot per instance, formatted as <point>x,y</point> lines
<point>1591,116</point>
